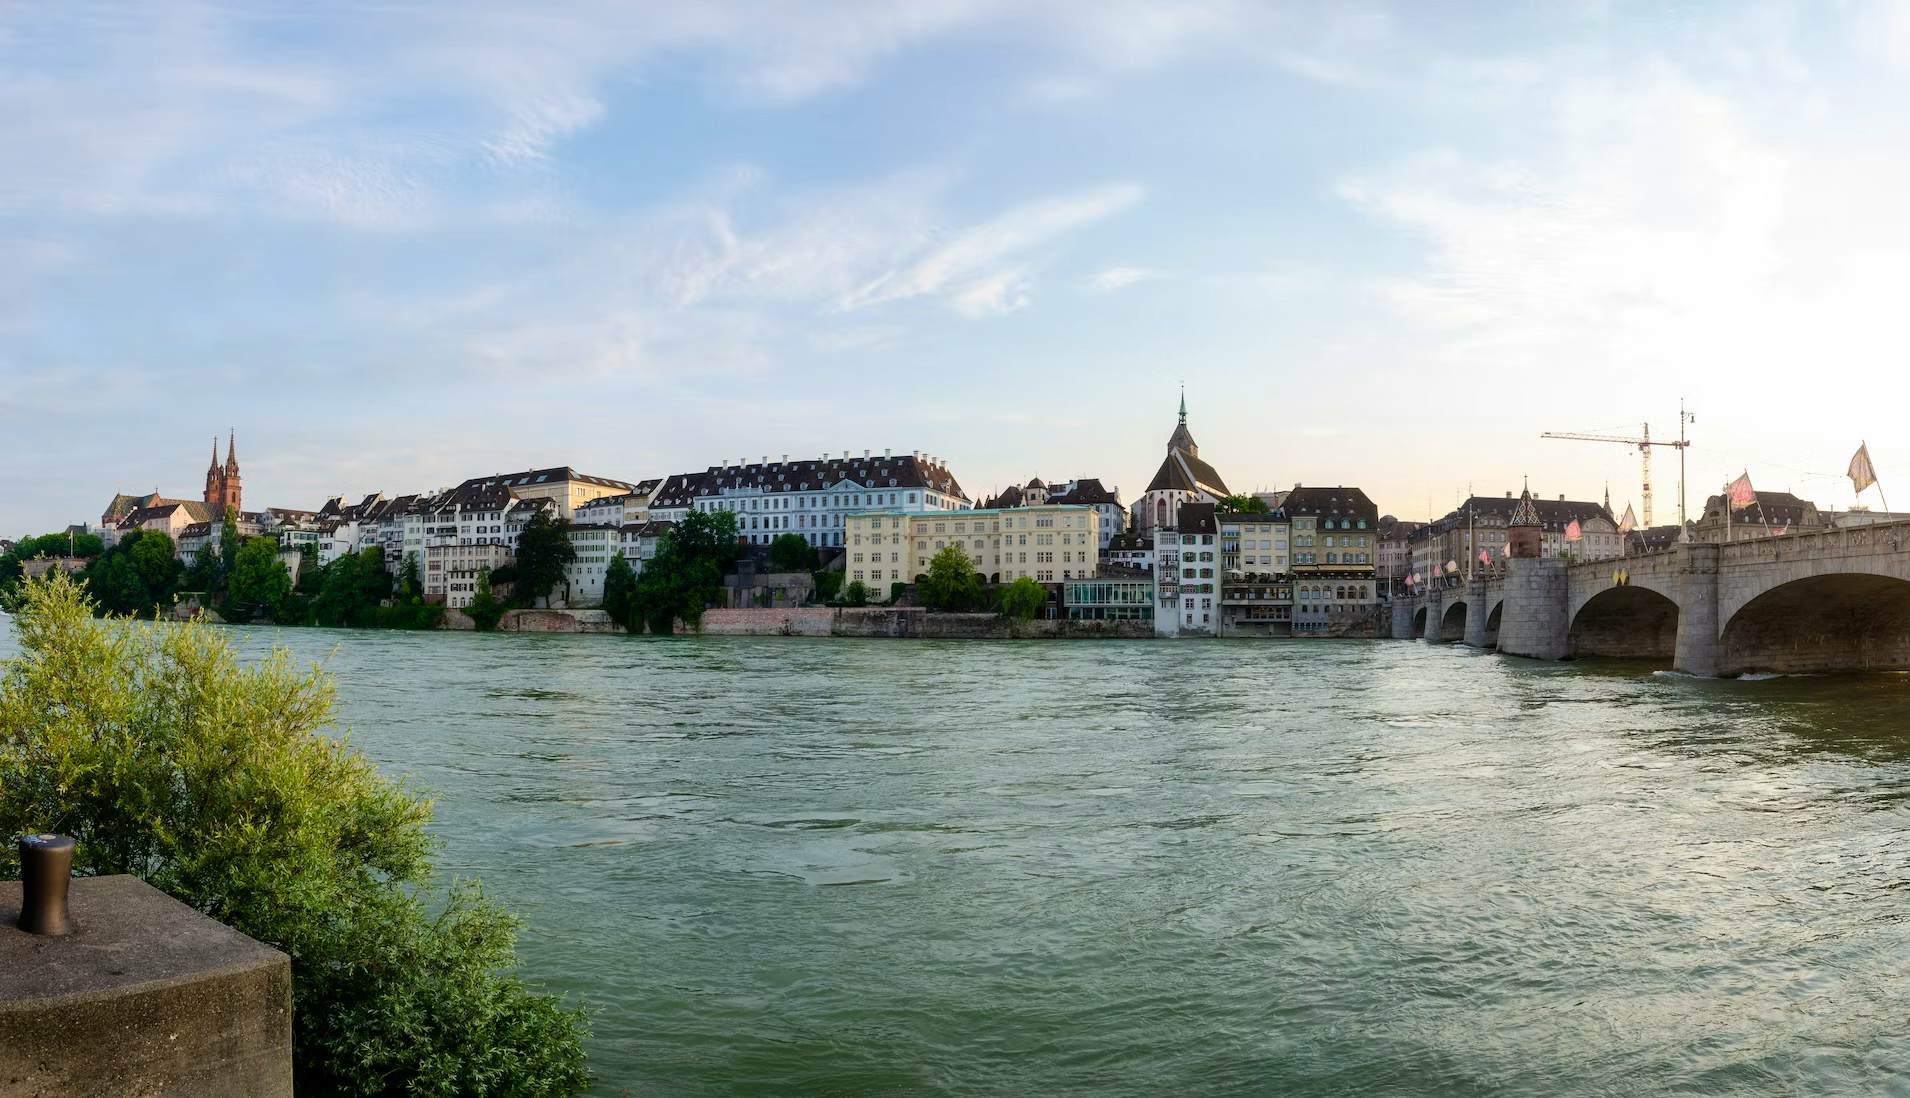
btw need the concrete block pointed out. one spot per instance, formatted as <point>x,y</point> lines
<point>146,997</point>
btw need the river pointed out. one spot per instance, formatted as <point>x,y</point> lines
<point>1200,868</point>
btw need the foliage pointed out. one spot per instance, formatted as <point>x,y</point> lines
<point>620,593</point>
<point>217,783</point>
<point>1242,504</point>
<point>1023,599</point>
<point>828,584</point>
<point>857,594</point>
<point>260,581</point>
<point>951,583</point>
<point>310,576</point>
<point>204,574</point>
<point>351,589</point>
<point>484,609</point>
<point>61,544</point>
<point>686,575</point>
<point>137,576</point>
<point>793,553</point>
<point>229,543</point>
<point>410,584</point>
<point>543,552</point>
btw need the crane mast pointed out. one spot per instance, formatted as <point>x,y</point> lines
<point>1644,442</point>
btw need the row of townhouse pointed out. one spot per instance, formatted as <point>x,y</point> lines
<point>1048,543</point>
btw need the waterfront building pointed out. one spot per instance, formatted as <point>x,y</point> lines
<point>1050,543</point>
<point>637,542</point>
<point>1130,550</point>
<point>1117,594</point>
<point>563,486</point>
<point>1481,523</point>
<point>1766,515</point>
<point>1334,534</point>
<point>1186,572</point>
<point>626,508</point>
<point>1085,491</point>
<point>1183,478</point>
<point>1653,539</point>
<point>1395,556</point>
<point>345,528</point>
<point>169,517</point>
<point>594,545</point>
<point>1256,591</point>
<point>813,498</point>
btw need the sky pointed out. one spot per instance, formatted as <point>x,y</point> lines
<point>397,245</point>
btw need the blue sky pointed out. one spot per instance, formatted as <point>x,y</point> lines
<point>398,245</point>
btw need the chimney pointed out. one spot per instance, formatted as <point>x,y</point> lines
<point>785,459</point>
<point>1561,497</point>
<point>865,455</point>
<point>1508,494</point>
<point>765,459</point>
<point>885,451</point>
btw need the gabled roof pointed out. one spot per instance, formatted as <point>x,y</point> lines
<point>1525,514</point>
<point>532,478</point>
<point>1552,514</point>
<point>1340,501</point>
<point>1196,518</point>
<point>1087,490</point>
<point>1128,542</point>
<point>194,510</point>
<point>1769,509</point>
<point>1181,471</point>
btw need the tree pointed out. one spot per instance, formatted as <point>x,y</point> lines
<point>260,581</point>
<point>793,553</point>
<point>137,576</point>
<point>950,583</point>
<point>1023,599</point>
<point>828,584</point>
<point>220,785</point>
<point>620,593</point>
<point>543,552</point>
<point>410,585</point>
<point>1242,504</point>
<point>856,594</point>
<point>229,542</point>
<point>484,608</point>
<point>686,575</point>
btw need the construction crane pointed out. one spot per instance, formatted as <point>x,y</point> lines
<point>1644,443</point>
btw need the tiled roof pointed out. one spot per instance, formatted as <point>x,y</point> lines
<point>1769,509</point>
<point>1336,502</point>
<point>1552,514</point>
<point>1181,471</point>
<point>1087,490</point>
<point>899,471</point>
<point>1196,518</point>
<point>531,478</point>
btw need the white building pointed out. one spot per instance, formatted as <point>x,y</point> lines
<point>1187,573</point>
<point>811,497</point>
<point>584,575</point>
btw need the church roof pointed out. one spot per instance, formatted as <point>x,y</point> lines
<point>1525,514</point>
<point>1181,471</point>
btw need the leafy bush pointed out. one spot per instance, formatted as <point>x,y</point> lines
<point>792,553</point>
<point>484,609</point>
<point>167,759</point>
<point>856,594</point>
<point>951,583</point>
<point>1023,599</point>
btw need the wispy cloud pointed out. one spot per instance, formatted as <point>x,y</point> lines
<point>1120,278</point>
<point>968,263</point>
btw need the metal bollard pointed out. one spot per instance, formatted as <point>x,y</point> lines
<point>46,868</point>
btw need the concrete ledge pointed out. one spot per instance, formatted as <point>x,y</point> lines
<point>146,997</point>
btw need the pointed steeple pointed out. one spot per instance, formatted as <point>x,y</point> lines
<point>215,453</point>
<point>1183,402</point>
<point>231,451</point>
<point>1526,513</point>
<point>1182,439</point>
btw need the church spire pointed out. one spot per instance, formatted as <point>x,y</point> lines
<point>1183,402</point>
<point>231,451</point>
<point>215,453</point>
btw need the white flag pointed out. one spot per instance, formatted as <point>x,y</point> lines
<point>1862,474</point>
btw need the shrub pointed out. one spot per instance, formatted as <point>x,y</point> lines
<point>856,594</point>
<point>165,758</point>
<point>1023,599</point>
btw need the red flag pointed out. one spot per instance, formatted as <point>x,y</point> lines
<point>1784,529</point>
<point>1741,493</point>
<point>1485,556</point>
<point>1573,532</point>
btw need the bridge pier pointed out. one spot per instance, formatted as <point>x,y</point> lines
<point>1478,609</point>
<point>1698,650</point>
<point>1535,622</point>
<point>1435,605</point>
<point>1402,618</point>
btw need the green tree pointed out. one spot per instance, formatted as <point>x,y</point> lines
<point>951,583</point>
<point>792,553</point>
<point>828,584</point>
<point>410,585</point>
<point>203,574</point>
<point>620,593</point>
<point>1242,504</point>
<point>260,581</point>
<point>229,543</point>
<point>484,609</point>
<point>686,575</point>
<point>1023,599</point>
<point>856,594</point>
<point>137,576</point>
<point>220,784</point>
<point>543,552</point>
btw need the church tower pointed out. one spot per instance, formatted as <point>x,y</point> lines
<point>215,490</point>
<point>229,480</point>
<point>1524,531</point>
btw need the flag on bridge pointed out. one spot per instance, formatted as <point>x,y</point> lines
<point>1784,529</point>
<point>1573,531</point>
<point>1740,492</point>
<point>1452,566</point>
<point>1862,474</point>
<point>1629,523</point>
<point>1485,556</point>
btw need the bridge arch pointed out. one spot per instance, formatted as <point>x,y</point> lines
<point>1419,621</point>
<point>1452,626</point>
<point>1832,621</point>
<point>1492,623</point>
<point>1625,622</point>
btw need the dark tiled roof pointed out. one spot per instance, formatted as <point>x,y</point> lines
<point>900,471</point>
<point>1196,518</point>
<point>531,478</point>
<point>1087,490</point>
<point>194,510</point>
<point>1653,538</point>
<point>1337,502</point>
<point>1012,497</point>
<point>1131,543</point>
<point>1769,509</point>
<point>1181,471</point>
<point>1551,514</point>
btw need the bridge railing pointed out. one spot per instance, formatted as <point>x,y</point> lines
<point>1836,540</point>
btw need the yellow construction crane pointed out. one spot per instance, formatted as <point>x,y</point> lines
<point>1644,443</point>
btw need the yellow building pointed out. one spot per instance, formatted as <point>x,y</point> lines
<point>1047,544</point>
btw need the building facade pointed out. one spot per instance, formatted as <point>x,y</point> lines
<point>1049,544</point>
<point>1187,572</point>
<point>1182,478</point>
<point>1335,534</point>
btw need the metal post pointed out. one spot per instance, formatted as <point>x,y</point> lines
<point>46,868</point>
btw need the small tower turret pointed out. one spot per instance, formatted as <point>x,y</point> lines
<point>1524,528</point>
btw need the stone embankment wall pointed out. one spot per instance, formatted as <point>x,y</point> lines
<point>901,621</point>
<point>557,621</point>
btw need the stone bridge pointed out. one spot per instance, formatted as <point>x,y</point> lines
<point>1827,600</point>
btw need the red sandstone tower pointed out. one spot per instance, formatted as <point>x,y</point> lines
<point>223,483</point>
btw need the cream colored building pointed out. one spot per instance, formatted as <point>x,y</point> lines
<point>1047,544</point>
<point>564,486</point>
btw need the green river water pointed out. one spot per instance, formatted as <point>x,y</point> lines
<point>1192,868</point>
